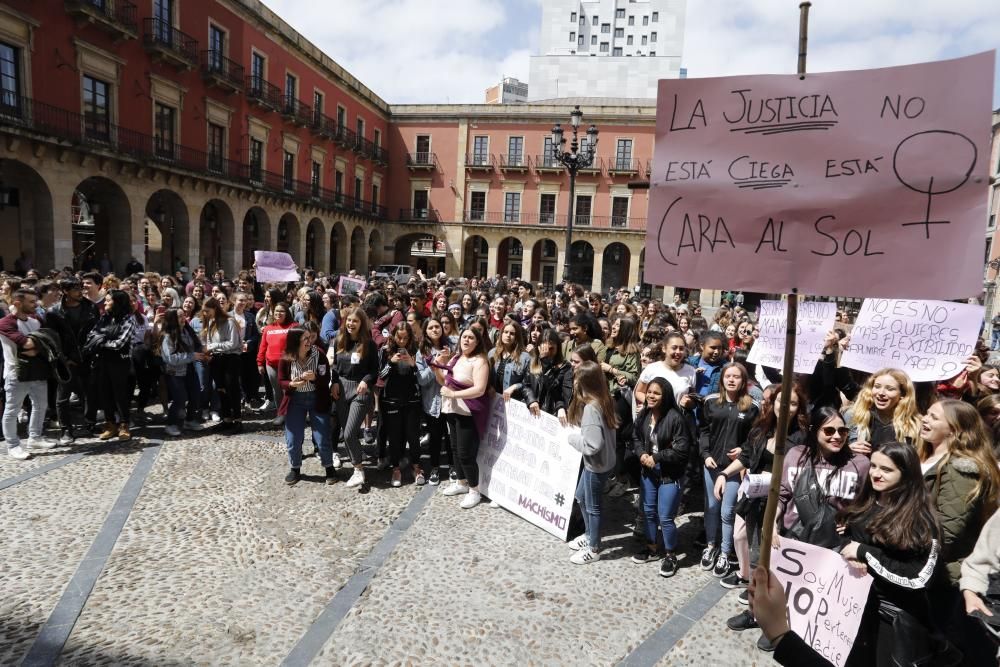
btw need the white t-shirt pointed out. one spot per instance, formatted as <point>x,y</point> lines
<point>10,349</point>
<point>683,381</point>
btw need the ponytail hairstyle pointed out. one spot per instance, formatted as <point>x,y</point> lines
<point>591,387</point>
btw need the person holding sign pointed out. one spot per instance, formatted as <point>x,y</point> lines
<point>886,411</point>
<point>661,439</point>
<point>726,420</point>
<point>892,533</point>
<point>593,411</point>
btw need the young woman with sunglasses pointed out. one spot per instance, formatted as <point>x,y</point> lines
<point>726,419</point>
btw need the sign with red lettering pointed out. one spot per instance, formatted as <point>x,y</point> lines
<point>825,597</point>
<point>866,183</point>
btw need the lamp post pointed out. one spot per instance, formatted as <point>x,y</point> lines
<point>574,160</point>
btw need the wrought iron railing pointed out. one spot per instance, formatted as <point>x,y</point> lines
<point>159,33</point>
<point>214,64</point>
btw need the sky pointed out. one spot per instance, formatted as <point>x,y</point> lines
<point>450,51</point>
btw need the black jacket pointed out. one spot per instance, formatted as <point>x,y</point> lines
<point>752,455</point>
<point>400,379</point>
<point>723,427</point>
<point>673,437</point>
<point>72,331</point>
<point>828,381</point>
<point>552,389</point>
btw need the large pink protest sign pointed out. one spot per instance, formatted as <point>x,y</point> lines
<point>867,183</point>
<point>825,597</point>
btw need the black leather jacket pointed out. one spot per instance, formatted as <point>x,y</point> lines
<point>552,389</point>
<point>72,335</point>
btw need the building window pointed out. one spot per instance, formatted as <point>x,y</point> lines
<point>480,150</point>
<point>477,206</point>
<point>606,28</point>
<point>572,17</point>
<point>652,36</point>
<point>216,47</point>
<point>256,160</point>
<point>216,147</point>
<point>593,21</point>
<point>583,20</point>
<point>163,20</point>
<point>579,40</point>
<point>582,213</point>
<point>377,137</point>
<point>631,20</point>
<point>628,41</point>
<point>593,40</point>
<point>341,117</point>
<point>656,17</point>
<point>605,47</point>
<point>617,51</point>
<point>547,209</point>
<point>165,129</point>
<point>10,77</point>
<point>623,155</point>
<point>359,189</point>
<point>645,20</point>
<point>512,207</point>
<point>644,40</point>
<point>338,185</point>
<point>374,196</point>
<point>291,93</point>
<point>423,149</point>
<point>572,36</point>
<point>548,158</point>
<point>288,171</point>
<point>515,151</point>
<point>420,204</point>
<point>619,211</point>
<point>360,128</point>
<point>652,53</point>
<point>96,109</point>
<point>314,176</point>
<point>619,33</point>
<point>317,106</point>
<point>258,66</point>
<point>989,247</point>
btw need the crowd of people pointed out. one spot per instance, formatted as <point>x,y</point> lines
<point>901,478</point>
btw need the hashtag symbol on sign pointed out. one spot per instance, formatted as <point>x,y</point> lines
<point>560,499</point>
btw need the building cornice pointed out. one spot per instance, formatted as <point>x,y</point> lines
<point>519,113</point>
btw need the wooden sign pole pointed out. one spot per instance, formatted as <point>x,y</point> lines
<point>788,365</point>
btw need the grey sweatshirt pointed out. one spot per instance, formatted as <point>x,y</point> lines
<point>984,559</point>
<point>596,441</point>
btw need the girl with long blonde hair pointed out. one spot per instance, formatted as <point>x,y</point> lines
<point>885,411</point>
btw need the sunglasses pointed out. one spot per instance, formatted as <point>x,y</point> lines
<point>829,431</point>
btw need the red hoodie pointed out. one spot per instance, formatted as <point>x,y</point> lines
<point>272,343</point>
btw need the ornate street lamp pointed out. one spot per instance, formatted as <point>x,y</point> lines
<point>574,160</point>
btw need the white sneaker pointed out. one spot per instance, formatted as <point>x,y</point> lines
<point>357,479</point>
<point>585,556</point>
<point>172,430</point>
<point>581,542</point>
<point>216,417</point>
<point>337,463</point>
<point>99,416</point>
<point>22,416</point>
<point>265,406</point>
<point>192,426</point>
<point>41,443</point>
<point>455,489</point>
<point>471,500</point>
<point>18,452</point>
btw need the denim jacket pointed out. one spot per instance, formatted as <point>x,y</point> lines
<point>430,390</point>
<point>513,373</point>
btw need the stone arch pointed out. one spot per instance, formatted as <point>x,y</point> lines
<point>581,264</point>
<point>510,256</point>
<point>422,251</point>
<point>475,256</point>
<point>217,233</point>
<point>375,249</point>
<point>27,221</point>
<point>545,262</point>
<point>256,233</point>
<point>289,236</point>
<point>338,248</point>
<point>615,266</point>
<point>167,232</point>
<point>102,223</point>
<point>314,245</point>
<point>359,251</point>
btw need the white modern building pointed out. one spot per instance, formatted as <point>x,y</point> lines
<point>607,48</point>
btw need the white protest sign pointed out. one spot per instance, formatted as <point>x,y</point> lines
<point>527,465</point>
<point>929,340</point>
<point>756,485</point>
<point>815,320</point>
<point>825,597</point>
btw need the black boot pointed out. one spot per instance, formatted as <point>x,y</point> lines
<point>331,475</point>
<point>292,477</point>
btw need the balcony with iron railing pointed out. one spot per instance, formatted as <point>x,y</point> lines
<point>296,111</point>
<point>96,133</point>
<point>620,166</point>
<point>380,155</point>
<point>345,137</point>
<point>479,162</point>
<point>421,161</point>
<point>362,146</point>
<point>513,162</point>
<point>117,17</point>
<point>264,94</point>
<point>323,125</point>
<point>221,72</point>
<point>167,43</point>
<point>547,164</point>
<point>419,215</point>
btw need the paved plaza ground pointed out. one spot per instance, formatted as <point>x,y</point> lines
<point>194,551</point>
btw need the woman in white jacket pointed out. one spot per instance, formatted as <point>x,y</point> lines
<point>224,343</point>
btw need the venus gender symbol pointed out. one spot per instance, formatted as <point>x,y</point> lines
<point>934,162</point>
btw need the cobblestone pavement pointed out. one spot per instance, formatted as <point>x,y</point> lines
<point>220,563</point>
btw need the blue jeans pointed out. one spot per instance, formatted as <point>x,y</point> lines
<point>183,391</point>
<point>300,404</point>
<point>995,339</point>
<point>724,509</point>
<point>588,494</point>
<point>207,399</point>
<point>661,499</point>
<point>38,392</point>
